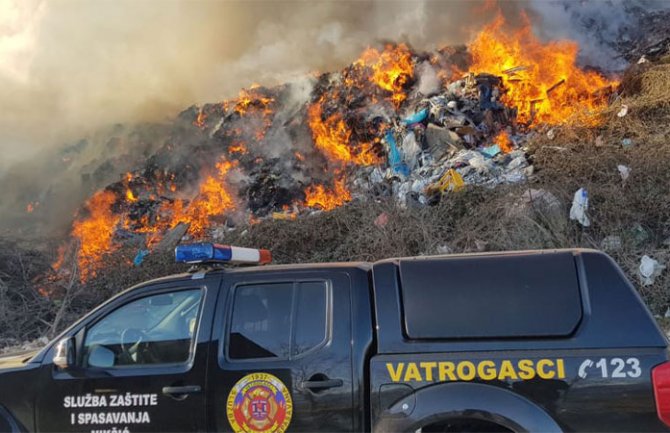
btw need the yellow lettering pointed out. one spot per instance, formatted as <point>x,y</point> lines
<point>446,370</point>
<point>428,370</point>
<point>395,374</point>
<point>507,371</point>
<point>412,372</point>
<point>460,370</point>
<point>486,370</point>
<point>526,369</point>
<point>561,368</point>
<point>541,365</point>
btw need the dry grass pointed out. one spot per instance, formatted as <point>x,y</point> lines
<point>637,210</point>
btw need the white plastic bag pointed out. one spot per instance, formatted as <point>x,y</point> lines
<point>580,204</point>
<point>624,171</point>
<point>649,270</point>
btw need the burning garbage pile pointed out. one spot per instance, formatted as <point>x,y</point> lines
<point>396,123</point>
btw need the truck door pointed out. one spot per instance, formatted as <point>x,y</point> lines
<point>284,354</point>
<point>141,366</point>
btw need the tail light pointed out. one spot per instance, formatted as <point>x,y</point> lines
<point>660,377</point>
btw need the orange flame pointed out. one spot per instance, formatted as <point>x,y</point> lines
<point>214,199</point>
<point>95,233</point>
<point>252,97</point>
<point>542,79</point>
<point>332,137</point>
<point>200,119</point>
<point>237,148</point>
<point>504,141</point>
<point>327,199</point>
<point>130,196</point>
<point>392,69</point>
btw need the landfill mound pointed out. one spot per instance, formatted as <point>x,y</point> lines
<point>400,154</point>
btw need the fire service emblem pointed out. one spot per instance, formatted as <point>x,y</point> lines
<point>259,403</point>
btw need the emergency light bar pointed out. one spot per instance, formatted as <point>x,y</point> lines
<point>215,253</point>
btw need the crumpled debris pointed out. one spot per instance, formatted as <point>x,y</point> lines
<point>491,151</point>
<point>444,249</point>
<point>139,257</point>
<point>623,111</point>
<point>624,171</point>
<point>580,204</point>
<point>649,270</point>
<point>611,243</point>
<point>382,219</point>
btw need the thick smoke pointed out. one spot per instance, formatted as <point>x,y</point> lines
<point>598,26</point>
<point>74,67</point>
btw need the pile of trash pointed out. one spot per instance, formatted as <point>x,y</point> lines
<point>396,123</point>
<point>462,136</point>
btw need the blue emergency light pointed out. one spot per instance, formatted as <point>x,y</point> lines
<point>215,253</point>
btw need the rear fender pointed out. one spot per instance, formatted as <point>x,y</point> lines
<point>475,401</point>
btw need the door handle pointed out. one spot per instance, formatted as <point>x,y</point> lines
<point>180,393</point>
<point>317,385</point>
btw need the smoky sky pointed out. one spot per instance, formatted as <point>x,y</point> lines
<point>71,68</point>
<point>68,67</point>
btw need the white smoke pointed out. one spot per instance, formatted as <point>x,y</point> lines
<point>597,25</point>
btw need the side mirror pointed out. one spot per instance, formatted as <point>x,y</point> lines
<point>64,357</point>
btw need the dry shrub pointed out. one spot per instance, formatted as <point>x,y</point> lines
<point>475,219</point>
<point>638,209</point>
<point>24,313</point>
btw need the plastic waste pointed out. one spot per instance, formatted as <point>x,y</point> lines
<point>623,111</point>
<point>624,171</point>
<point>640,234</point>
<point>491,151</point>
<point>139,257</point>
<point>451,181</point>
<point>649,270</point>
<point>627,142</point>
<point>417,117</point>
<point>444,249</point>
<point>410,150</point>
<point>611,243</point>
<point>382,219</point>
<point>395,159</point>
<point>580,204</point>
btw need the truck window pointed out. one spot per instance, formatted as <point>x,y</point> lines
<point>157,329</point>
<point>278,320</point>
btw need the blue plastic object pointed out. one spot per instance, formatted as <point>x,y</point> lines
<point>417,117</point>
<point>139,257</point>
<point>395,159</point>
<point>490,151</point>
<point>202,252</point>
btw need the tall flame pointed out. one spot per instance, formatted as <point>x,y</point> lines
<point>333,138</point>
<point>214,199</point>
<point>542,79</point>
<point>392,68</point>
<point>95,233</point>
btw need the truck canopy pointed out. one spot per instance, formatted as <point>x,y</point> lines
<point>512,300</point>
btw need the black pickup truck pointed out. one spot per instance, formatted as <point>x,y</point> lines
<point>535,341</point>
